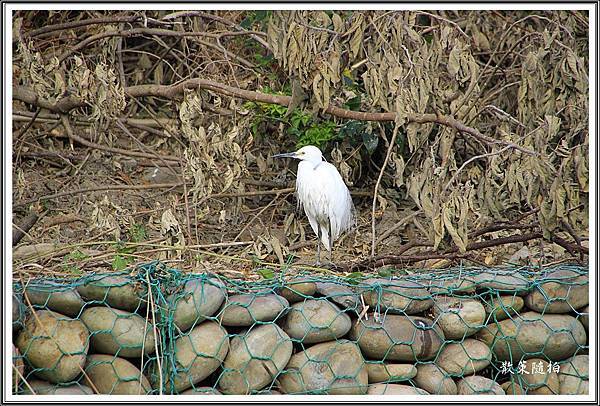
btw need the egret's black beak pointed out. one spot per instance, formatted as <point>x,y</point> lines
<point>286,155</point>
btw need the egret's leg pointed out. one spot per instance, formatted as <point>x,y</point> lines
<point>319,233</point>
<point>330,241</point>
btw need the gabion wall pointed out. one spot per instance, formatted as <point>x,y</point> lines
<point>159,331</point>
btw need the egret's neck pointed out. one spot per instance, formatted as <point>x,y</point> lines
<point>312,162</point>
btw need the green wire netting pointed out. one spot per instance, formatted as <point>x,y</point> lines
<point>157,330</point>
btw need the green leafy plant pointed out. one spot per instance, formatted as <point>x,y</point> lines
<point>123,256</point>
<point>307,129</point>
<point>266,273</point>
<point>71,262</point>
<point>137,233</point>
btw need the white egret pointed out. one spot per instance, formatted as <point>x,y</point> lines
<point>324,195</point>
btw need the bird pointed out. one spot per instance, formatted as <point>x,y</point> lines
<point>326,200</point>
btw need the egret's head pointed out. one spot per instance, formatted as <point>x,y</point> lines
<point>308,153</point>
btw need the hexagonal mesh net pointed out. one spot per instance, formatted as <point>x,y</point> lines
<point>157,330</point>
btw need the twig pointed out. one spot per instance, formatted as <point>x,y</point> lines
<point>23,379</point>
<point>255,35</point>
<point>90,144</point>
<point>446,21</point>
<point>97,189</point>
<point>569,229</point>
<point>396,226</point>
<point>375,192</point>
<point>468,161</point>
<point>81,23</point>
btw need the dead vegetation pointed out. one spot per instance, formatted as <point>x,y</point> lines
<point>141,136</point>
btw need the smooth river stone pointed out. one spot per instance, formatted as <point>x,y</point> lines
<point>559,291</point>
<point>398,338</point>
<point>200,298</point>
<point>478,385</point>
<point>400,296</point>
<point>464,358</point>
<point>255,359</point>
<point>434,380</point>
<point>331,368</point>
<point>118,332</point>
<point>574,376</point>
<point>116,291</point>
<point>502,281</point>
<point>298,289</point>
<point>340,294</point>
<point>198,354</point>
<point>557,336</point>
<point>540,380</point>
<point>315,321</point>
<point>458,317</point>
<point>390,372</point>
<point>247,309</point>
<point>503,307</point>
<point>58,298</point>
<point>394,389</point>
<point>55,345</point>
<point>112,375</point>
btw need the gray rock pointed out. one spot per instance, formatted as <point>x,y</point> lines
<point>434,380</point>
<point>298,289</point>
<point>245,310</point>
<point>503,307</point>
<point>112,375</point>
<point>559,291</point>
<point>255,359</point>
<point>380,372</point>
<point>340,294</point>
<point>557,336</point>
<point>574,376</point>
<point>59,298</point>
<point>200,298</point>
<point>118,332</point>
<point>394,389</point>
<point>116,291</point>
<point>46,388</point>
<point>464,358</point>
<point>479,385</point>
<point>315,321</point>
<point>458,317</point>
<point>400,296</point>
<point>198,354</point>
<point>332,368</point>
<point>503,281</point>
<point>398,338</point>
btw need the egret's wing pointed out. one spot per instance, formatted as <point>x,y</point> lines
<point>340,206</point>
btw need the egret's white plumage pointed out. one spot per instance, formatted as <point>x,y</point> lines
<point>322,192</point>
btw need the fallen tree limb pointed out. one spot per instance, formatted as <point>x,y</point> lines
<point>172,91</point>
<point>19,230</point>
<point>452,253</point>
